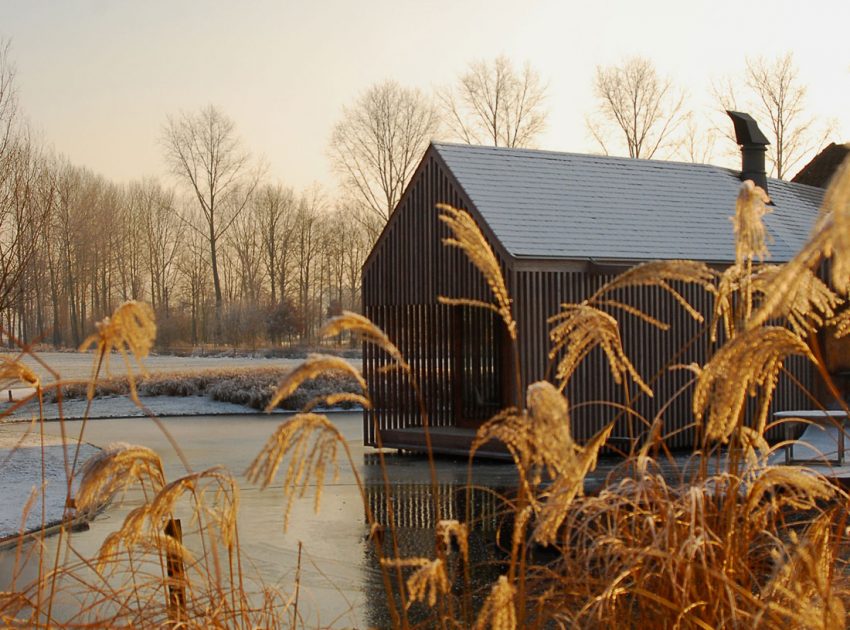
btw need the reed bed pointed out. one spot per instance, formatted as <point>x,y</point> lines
<point>731,541</point>
<point>252,387</point>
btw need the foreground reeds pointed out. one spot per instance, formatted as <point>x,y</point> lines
<point>725,541</point>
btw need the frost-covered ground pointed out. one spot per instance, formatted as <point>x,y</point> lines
<point>78,365</point>
<point>21,477</point>
<point>123,407</point>
<point>20,468</point>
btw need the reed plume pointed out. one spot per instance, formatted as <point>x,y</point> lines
<point>805,590</point>
<point>467,236</point>
<point>114,469</point>
<point>747,364</point>
<point>568,485</point>
<point>498,611</point>
<point>835,224</point>
<point>311,441</point>
<point>750,233</point>
<point>314,365</point>
<point>451,529</point>
<point>578,329</point>
<point>841,323</point>
<point>657,273</point>
<point>830,239</point>
<point>808,302</point>
<point>367,331</point>
<point>145,521</point>
<point>427,582</point>
<point>131,332</point>
<point>14,370</point>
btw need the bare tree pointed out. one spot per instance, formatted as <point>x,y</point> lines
<point>204,152</point>
<point>307,238</point>
<point>161,236</point>
<point>377,144</point>
<point>779,100</point>
<point>8,97</point>
<point>494,103</point>
<point>638,106</point>
<point>771,91</point>
<point>697,144</point>
<point>273,210</point>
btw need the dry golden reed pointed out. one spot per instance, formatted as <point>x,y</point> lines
<point>657,273</point>
<point>805,589</point>
<point>130,331</point>
<point>498,611</point>
<point>114,469</point>
<point>428,580</point>
<point>312,442</point>
<point>451,529</point>
<point>808,304</point>
<point>830,239</point>
<point>834,224</point>
<point>333,400</point>
<point>750,233</point>
<point>315,365</point>
<point>576,331</point>
<point>559,497</point>
<point>841,323</point>
<point>468,237</point>
<point>367,331</point>
<point>748,364</point>
<point>14,370</point>
<point>215,498</point>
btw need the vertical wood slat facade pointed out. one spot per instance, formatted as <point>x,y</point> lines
<point>458,356</point>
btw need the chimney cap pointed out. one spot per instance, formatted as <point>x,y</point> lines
<point>747,132</point>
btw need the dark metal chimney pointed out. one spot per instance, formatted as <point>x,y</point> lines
<point>753,148</point>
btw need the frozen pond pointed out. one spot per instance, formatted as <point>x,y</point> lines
<point>340,583</point>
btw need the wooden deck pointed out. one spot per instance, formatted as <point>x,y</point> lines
<point>454,441</point>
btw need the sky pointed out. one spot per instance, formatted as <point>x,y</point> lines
<point>97,79</point>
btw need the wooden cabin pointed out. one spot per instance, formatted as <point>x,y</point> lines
<point>561,225</point>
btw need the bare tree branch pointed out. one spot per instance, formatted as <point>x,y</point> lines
<point>493,103</point>
<point>204,153</point>
<point>636,104</point>
<point>378,143</point>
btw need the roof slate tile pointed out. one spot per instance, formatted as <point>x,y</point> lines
<point>543,204</point>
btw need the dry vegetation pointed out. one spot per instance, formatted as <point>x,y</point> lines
<point>740,543</point>
<point>252,387</point>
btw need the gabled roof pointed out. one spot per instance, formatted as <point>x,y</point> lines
<point>542,204</point>
<point>820,170</point>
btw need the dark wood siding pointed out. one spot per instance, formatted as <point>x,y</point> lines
<point>410,267</point>
<point>405,274</point>
<point>655,354</point>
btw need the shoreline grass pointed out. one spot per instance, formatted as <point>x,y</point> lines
<point>250,387</point>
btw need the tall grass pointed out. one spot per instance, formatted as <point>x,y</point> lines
<point>727,541</point>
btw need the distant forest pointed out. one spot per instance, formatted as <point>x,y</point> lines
<point>228,257</point>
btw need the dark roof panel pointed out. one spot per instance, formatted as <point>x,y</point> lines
<point>542,204</point>
<point>820,170</point>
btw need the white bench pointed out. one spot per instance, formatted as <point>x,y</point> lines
<point>818,435</point>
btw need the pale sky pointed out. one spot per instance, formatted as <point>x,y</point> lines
<point>98,78</point>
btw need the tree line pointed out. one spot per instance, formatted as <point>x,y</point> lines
<point>227,257</point>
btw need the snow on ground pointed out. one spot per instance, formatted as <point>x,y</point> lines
<point>20,468</point>
<point>78,365</point>
<point>20,477</point>
<point>123,407</point>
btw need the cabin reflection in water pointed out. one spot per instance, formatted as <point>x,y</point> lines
<point>410,512</point>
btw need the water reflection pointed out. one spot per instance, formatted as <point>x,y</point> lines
<point>408,516</point>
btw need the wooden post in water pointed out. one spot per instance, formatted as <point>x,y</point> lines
<point>176,572</point>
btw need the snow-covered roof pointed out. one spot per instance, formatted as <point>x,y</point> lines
<point>542,204</point>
